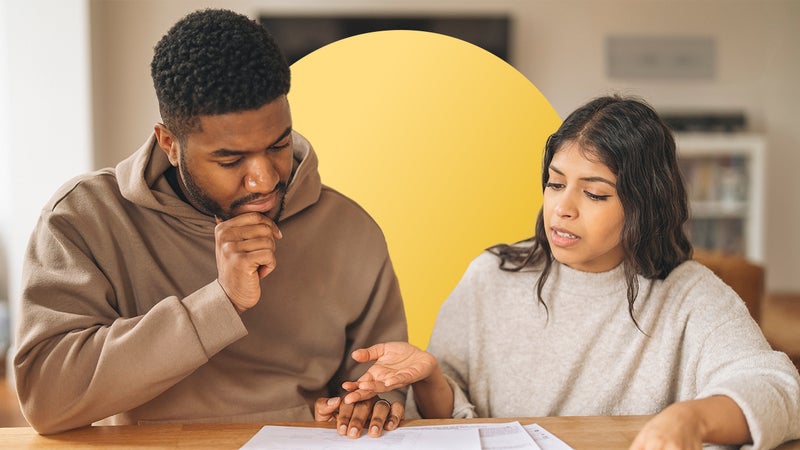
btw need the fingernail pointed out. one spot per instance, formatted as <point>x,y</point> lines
<point>280,235</point>
<point>374,430</point>
<point>353,432</point>
<point>343,430</point>
<point>333,401</point>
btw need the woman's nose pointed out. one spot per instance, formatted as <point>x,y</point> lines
<point>566,207</point>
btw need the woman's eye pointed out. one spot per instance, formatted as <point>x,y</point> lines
<point>595,196</point>
<point>555,186</point>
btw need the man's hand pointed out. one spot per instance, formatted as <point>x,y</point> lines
<point>245,249</point>
<point>350,418</point>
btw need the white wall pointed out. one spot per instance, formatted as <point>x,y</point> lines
<point>758,68</point>
<point>124,33</point>
<point>559,46</point>
<point>44,114</point>
<point>47,126</point>
<point>5,188</point>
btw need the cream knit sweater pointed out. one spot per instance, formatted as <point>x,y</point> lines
<point>509,357</point>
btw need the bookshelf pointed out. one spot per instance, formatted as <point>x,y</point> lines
<point>724,174</point>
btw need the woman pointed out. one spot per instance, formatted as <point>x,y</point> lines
<point>602,312</point>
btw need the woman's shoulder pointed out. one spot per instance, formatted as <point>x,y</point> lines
<point>697,285</point>
<point>690,270</point>
<point>486,260</point>
<point>693,273</point>
<point>517,257</point>
<point>484,265</point>
<point>486,273</point>
<point>497,260</point>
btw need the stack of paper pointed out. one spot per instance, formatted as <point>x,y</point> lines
<point>482,436</point>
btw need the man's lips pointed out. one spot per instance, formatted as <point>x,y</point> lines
<point>262,204</point>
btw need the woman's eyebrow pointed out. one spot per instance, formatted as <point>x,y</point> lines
<point>600,180</point>
<point>589,179</point>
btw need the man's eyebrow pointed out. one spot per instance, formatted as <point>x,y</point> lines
<point>223,152</point>
<point>589,179</point>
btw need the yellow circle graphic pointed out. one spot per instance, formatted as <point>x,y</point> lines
<point>438,139</point>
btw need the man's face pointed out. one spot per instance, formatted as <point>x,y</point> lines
<point>237,162</point>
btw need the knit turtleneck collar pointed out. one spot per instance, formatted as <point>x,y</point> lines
<point>576,282</point>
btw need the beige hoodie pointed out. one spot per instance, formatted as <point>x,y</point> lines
<point>122,317</point>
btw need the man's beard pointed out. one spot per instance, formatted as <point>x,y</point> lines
<point>199,197</point>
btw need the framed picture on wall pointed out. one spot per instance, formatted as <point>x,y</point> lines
<point>299,35</point>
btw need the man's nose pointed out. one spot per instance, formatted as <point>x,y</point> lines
<point>260,176</point>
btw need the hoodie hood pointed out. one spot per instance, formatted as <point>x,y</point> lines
<point>141,181</point>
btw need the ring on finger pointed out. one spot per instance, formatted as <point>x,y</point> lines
<point>384,401</point>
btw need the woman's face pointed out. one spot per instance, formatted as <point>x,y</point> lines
<point>583,215</point>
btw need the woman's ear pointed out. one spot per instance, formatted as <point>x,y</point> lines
<point>168,142</point>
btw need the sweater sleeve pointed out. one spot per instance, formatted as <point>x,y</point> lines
<point>462,408</point>
<point>75,350</point>
<point>735,360</point>
<point>451,341</point>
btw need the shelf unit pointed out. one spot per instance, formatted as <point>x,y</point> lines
<point>724,174</point>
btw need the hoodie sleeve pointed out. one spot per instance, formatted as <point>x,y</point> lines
<point>383,320</point>
<point>75,350</point>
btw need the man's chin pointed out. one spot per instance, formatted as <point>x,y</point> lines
<point>271,214</point>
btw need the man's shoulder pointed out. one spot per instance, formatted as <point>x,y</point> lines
<point>86,191</point>
<point>345,207</point>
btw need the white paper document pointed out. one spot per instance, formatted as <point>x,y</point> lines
<point>302,438</point>
<point>544,439</point>
<point>477,436</point>
<point>496,436</point>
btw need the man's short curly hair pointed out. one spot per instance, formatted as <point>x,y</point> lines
<point>215,61</point>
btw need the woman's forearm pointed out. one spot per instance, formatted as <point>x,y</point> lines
<point>723,421</point>
<point>434,396</point>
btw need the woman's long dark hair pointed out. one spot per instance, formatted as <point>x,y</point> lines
<point>629,137</point>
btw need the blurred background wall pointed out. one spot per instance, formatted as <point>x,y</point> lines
<point>559,45</point>
<point>45,120</point>
<point>75,91</point>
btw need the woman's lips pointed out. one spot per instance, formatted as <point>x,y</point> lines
<point>562,238</point>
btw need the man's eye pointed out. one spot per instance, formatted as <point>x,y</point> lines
<point>231,163</point>
<point>277,148</point>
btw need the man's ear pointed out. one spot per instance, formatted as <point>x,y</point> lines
<point>168,142</point>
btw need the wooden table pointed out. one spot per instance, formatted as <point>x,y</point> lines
<point>595,433</point>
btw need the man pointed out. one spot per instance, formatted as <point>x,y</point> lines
<point>209,277</point>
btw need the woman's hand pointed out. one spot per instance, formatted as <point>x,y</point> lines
<point>350,418</point>
<point>674,428</point>
<point>688,424</point>
<point>397,364</point>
